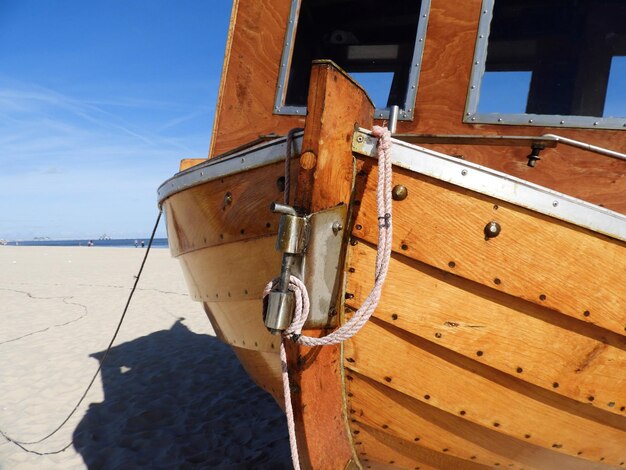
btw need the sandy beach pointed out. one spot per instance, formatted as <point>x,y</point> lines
<point>170,394</point>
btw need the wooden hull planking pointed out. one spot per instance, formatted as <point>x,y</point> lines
<point>471,337</point>
<point>501,352</point>
<point>227,254</point>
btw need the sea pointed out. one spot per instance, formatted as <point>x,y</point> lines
<point>114,243</point>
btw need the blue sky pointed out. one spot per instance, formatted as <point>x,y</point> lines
<point>98,103</point>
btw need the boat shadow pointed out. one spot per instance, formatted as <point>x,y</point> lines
<point>177,399</point>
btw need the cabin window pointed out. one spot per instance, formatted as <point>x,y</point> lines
<point>550,63</point>
<point>380,46</point>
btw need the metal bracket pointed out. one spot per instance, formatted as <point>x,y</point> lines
<point>323,267</point>
<point>364,144</point>
<point>312,251</point>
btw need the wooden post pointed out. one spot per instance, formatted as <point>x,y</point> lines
<point>326,178</point>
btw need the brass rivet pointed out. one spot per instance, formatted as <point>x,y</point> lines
<point>492,230</point>
<point>399,192</point>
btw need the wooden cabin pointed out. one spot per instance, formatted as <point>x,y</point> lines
<point>443,98</point>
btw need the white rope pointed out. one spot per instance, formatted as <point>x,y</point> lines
<point>362,315</point>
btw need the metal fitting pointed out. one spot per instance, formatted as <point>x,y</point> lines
<point>291,241</point>
<point>280,308</point>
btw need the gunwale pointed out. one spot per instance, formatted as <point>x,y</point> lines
<point>416,159</point>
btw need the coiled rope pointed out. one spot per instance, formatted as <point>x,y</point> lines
<point>362,315</point>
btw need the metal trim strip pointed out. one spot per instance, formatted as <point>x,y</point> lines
<point>496,184</point>
<point>219,167</point>
<point>461,173</point>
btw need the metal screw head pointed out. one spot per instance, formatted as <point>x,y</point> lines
<point>228,199</point>
<point>399,192</point>
<point>359,139</point>
<point>337,227</point>
<point>492,230</point>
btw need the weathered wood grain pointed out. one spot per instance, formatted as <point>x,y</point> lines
<point>421,424</point>
<point>560,354</point>
<point>432,374</point>
<point>250,76</point>
<point>540,259</point>
<point>225,210</point>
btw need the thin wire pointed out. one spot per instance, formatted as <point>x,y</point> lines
<point>290,144</point>
<point>21,444</point>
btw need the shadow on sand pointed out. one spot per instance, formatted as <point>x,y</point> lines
<point>176,399</point>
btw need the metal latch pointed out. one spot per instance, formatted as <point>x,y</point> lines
<point>313,251</point>
<point>291,242</point>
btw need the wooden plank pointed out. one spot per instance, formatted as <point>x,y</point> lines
<point>380,450</point>
<point>432,374</point>
<point>375,455</point>
<point>225,210</point>
<point>540,259</point>
<point>246,100</point>
<point>336,105</point>
<point>413,421</point>
<point>560,354</point>
<point>240,323</point>
<point>325,180</point>
<point>584,175</point>
<point>245,268</point>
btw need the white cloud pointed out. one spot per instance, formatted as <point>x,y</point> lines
<point>70,168</point>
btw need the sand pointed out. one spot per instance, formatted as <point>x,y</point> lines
<point>170,394</point>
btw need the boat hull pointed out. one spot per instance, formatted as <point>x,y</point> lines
<point>506,351</point>
<point>500,348</point>
<point>223,234</point>
<point>482,351</point>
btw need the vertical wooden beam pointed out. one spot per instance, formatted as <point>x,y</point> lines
<point>335,105</point>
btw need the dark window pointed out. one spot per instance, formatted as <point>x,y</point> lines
<point>556,57</point>
<point>373,42</point>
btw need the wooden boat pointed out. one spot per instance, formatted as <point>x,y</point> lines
<point>500,337</point>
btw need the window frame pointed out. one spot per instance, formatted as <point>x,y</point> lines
<point>472,116</point>
<point>406,111</point>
